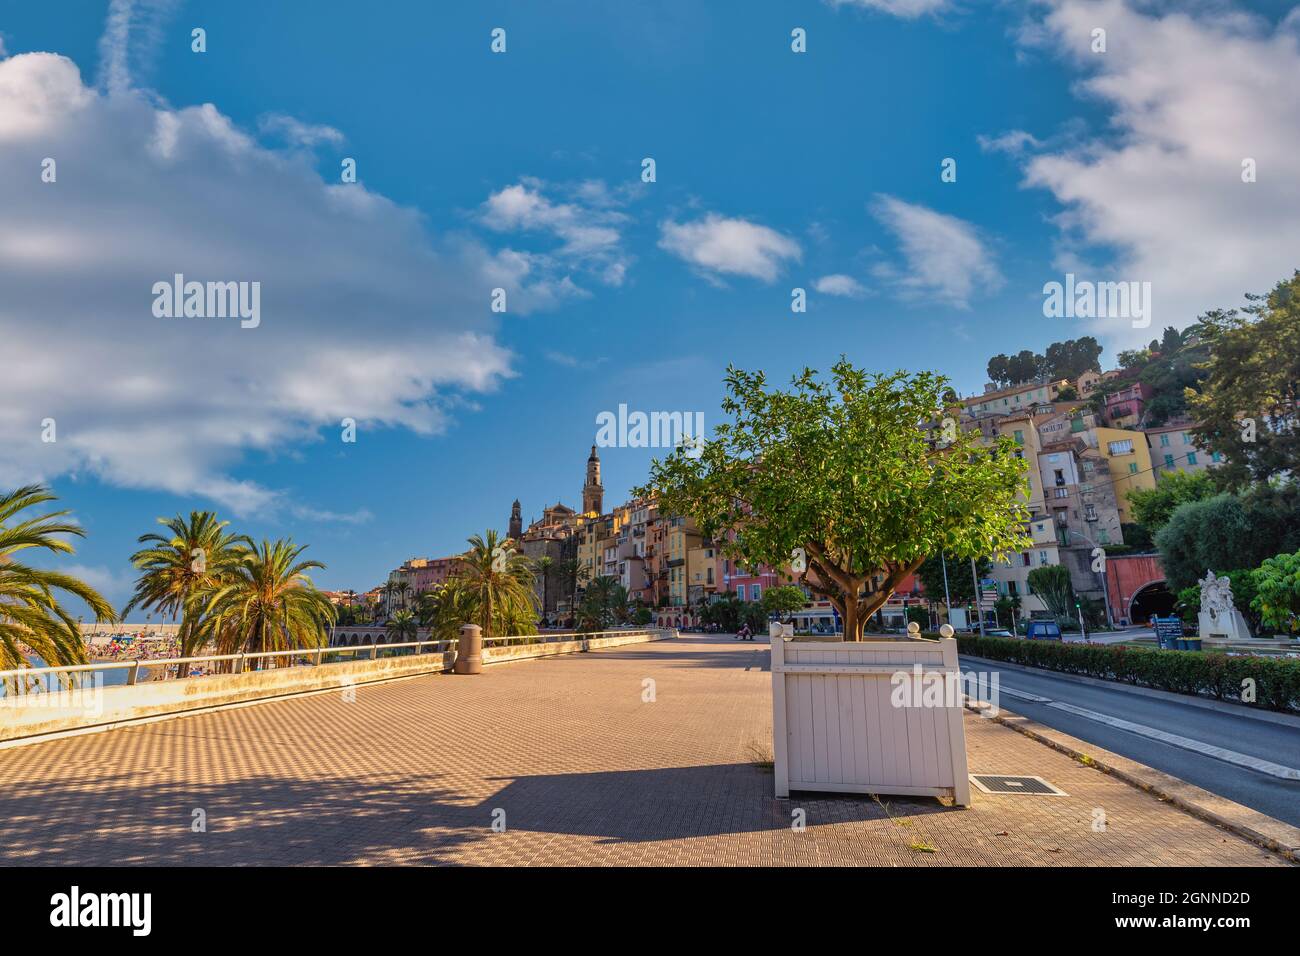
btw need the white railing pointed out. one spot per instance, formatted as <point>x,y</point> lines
<point>20,678</point>
<point>311,656</point>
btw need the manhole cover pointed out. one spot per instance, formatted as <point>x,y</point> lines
<point>1006,783</point>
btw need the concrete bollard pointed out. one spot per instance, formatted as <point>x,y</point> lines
<point>469,655</point>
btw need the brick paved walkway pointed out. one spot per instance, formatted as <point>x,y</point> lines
<point>585,772</point>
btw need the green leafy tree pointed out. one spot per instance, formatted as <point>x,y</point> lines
<point>1277,592</point>
<point>267,604</point>
<point>1253,372</point>
<point>1153,507</point>
<point>179,570</point>
<point>1202,535</point>
<point>784,600</point>
<point>1072,357</point>
<point>1134,358</point>
<point>840,475</point>
<point>31,609</point>
<point>1228,531</point>
<point>1052,585</point>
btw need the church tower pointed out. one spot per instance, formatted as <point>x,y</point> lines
<point>593,494</point>
<point>516,521</point>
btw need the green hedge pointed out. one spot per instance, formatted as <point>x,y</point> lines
<point>1277,680</point>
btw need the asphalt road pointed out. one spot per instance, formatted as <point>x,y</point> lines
<point>1055,701</point>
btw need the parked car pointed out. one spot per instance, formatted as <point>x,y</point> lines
<point>999,632</point>
<point>1043,631</point>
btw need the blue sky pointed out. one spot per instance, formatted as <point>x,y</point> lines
<point>775,170</point>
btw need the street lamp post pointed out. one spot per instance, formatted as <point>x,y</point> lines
<point>1105,589</point>
<point>947,601</point>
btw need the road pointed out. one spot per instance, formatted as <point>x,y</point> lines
<point>1254,757</point>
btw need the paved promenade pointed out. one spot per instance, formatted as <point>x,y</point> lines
<point>583,770</point>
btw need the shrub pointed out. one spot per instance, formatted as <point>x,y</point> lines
<point>1277,680</point>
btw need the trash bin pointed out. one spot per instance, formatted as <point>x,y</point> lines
<point>469,653</point>
<point>1193,644</point>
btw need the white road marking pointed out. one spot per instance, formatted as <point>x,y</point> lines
<point>1175,740</point>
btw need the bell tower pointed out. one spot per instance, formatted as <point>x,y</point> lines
<point>516,521</point>
<point>593,494</point>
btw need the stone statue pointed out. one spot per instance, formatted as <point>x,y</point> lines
<point>1216,594</point>
<point>1219,616</point>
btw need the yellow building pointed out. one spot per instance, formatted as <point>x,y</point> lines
<point>701,565</point>
<point>1129,459</point>
<point>682,537</point>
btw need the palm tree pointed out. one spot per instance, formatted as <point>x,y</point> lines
<point>544,565</point>
<point>389,588</point>
<point>30,613</point>
<point>499,582</point>
<point>403,627</point>
<point>603,600</point>
<point>181,568</point>
<point>444,609</point>
<point>269,604</point>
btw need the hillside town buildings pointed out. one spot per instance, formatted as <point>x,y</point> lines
<point>1084,454</point>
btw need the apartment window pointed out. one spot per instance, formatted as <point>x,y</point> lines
<point>1103,536</point>
<point>1061,492</point>
<point>1012,589</point>
<point>1169,461</point>
<point>1124,447</point>
<point>758,592</point>
<point>1060,476</point>
<point>1042,557</point>
<point>1026,559</point>
<point>740,591</point>
<point>1090,512</point>
<point>1132,468</point>
<point>1191,458</point>
<point>1164,440</point>
<point>1187,439</point>
<point>1020,437</point>
<point>710,575</point>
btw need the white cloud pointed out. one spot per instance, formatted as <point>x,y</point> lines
<point>1161,198</point>
<point>115,586</point>
<point>588,230</point>
<point>1014,142</point>
<point>840,284</point>
<point>946,260</point>
<point>362,314</point>
<point>133,31</point>
<point>561,358</point>
<point>716,244</point>
<point>907,9</point>
<point>297,133</point>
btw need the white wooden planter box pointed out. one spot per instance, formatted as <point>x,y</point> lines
<point>836,725</point>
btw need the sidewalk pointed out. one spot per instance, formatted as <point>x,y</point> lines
<point>581,769</point>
